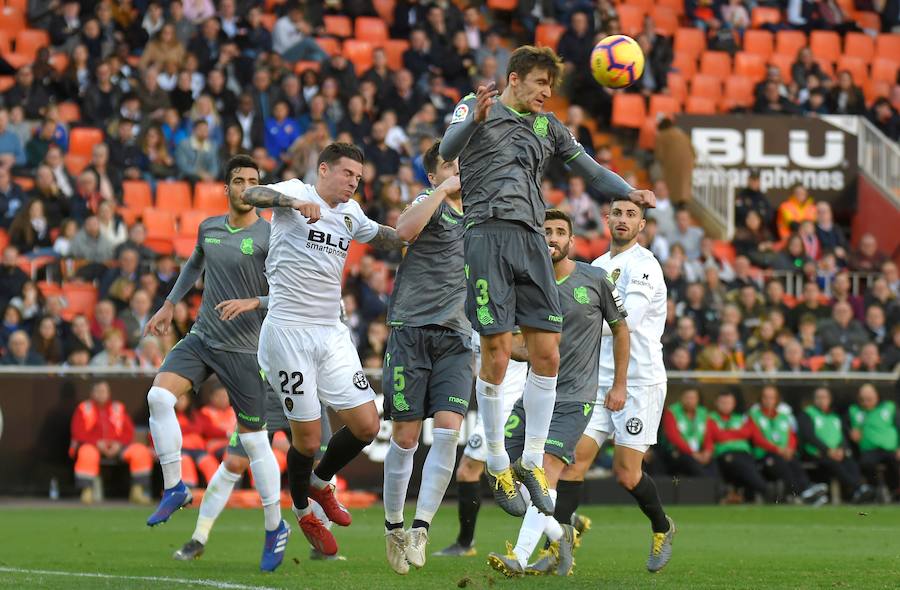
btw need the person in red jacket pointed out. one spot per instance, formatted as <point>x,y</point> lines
<point>216,421</point>
<point>776,450</point>
<point>101,428</point>
<point>688,449</point>
<point>730,434</point>
<point>193,445</point>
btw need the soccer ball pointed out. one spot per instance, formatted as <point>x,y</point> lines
<point>617,61</point>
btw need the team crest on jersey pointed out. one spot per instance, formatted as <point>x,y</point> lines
<point>349,223</point>
<point>615,275</point>
<point>581,295</point>
<point>360,381</point>
<point>460,113</point>
<point>541,124</point>
<point>247,246</point>
<point>634,426</point>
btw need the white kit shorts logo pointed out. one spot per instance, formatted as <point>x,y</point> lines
<point>634,426</point>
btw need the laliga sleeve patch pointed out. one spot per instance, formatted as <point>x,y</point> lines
<point>360,381</point>
<point>460,113</point>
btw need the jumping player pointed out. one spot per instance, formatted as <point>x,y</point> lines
<point>588,299</point>
<point>304,350</point>
<point>504,145</point>
<point>231,252</point>
<point>633,417</point>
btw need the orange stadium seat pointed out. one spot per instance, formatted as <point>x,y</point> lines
<point>700,105</point>
<point>665,19</point>
<point>677,86</point>
<point>873,89</point>
<point>825,45</point>
<point>189,222</point>
<point>12,20</point>
<point>25,182</point>
<point>359,53</point>
<point>628,110</point>
<point>302,66</point>
<point>20,5</point>
<point>870,21</point>
<point>210,198</point>
<point>4,238</point>
<point>706,86</point>
<point>385,9</point>
<point>556,197</point>
<point>631,19</point>
<point>762,15</point>
<point>83,139</point>
<point>685,64</point>
<point>676,5</point>
<point>848,6</point>
<point>647,134</point>
<point>371,29</point>
<point>6,82</point>
<point>136,194</point>
<point>663,103</point>
<point>715,63</point>
<point>173,195</point>
<point>547,35</point>
<point>750,65</point>
<point>505,5</point>
<point>394,49</point>
<point>338,25</point>
<point>645,5</point>
<point>59,61</point>
<point>17,60</point>
<point>28,41</point>
<point>887,45</point>
<point>738,92</point>
<point>859,45</point>
<point>268,20</point>
<point>329,45</point>
<point>69,112</point>
<point>690,41</point>
<point>789,42</point>
<point>783,63</point>
<point>75,163</point>
<point>80,300</point>
<point>761,43</point>
<point>49,289</point>
<point>160,226</point>
<point>183,246</point>
<point>5,42</point>
<point>884,69</point>
<point>856,66</point>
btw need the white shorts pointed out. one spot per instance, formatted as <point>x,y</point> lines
<point>635,425</point>
<point>308,364</point>
<point>511,390</point>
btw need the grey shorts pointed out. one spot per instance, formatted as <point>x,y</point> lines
<point>566,426</point>
<point>426,370</point>
<point>509,279</point>
<point>238,372</point>
<point>277,422</point>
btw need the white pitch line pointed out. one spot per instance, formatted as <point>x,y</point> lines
<point>210,583</point>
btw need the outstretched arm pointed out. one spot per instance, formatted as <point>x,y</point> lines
<point>266,196</point>
<point>607,182</point>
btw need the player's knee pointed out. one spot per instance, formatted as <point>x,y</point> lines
<point>575,471</point>
<point>160,399</point>
<point>627,478</point>
<point>545,361</point>
<point>367,430</point>
<point>236,464</point>
<point>404,439</point>
<point>468,470</point>
<point>306,446</point>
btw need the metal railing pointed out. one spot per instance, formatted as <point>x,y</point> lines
<point>793,281</point>
<point>713,191</point>
<point>879,158</point>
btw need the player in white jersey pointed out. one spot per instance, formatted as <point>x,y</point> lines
<point>305,351</point>
<point>471,465</point>
<point>633,420</point>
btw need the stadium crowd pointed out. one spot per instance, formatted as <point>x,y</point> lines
<point>178,88</point>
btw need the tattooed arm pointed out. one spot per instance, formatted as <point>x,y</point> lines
<point>266,196</point>
<point>386,239</point>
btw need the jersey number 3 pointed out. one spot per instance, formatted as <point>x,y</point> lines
<point>297,376</point>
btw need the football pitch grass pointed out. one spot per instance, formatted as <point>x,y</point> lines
<point>67,546</point>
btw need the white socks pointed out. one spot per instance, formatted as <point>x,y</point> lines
<point>538,398</point>
<point>533,526</point>
<point>436,473</point>
<point>398,466</point>
<point>266,474</point>
<point>214,500</point>
<point>490,408</point>
<point>166,434</point>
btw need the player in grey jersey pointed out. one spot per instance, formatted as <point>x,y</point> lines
<point>588,298</point>
<point>231,252</point>
<point>504,145</point>
<point>428,359</point>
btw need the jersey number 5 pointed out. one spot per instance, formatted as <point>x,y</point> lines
<point>297,376</point>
